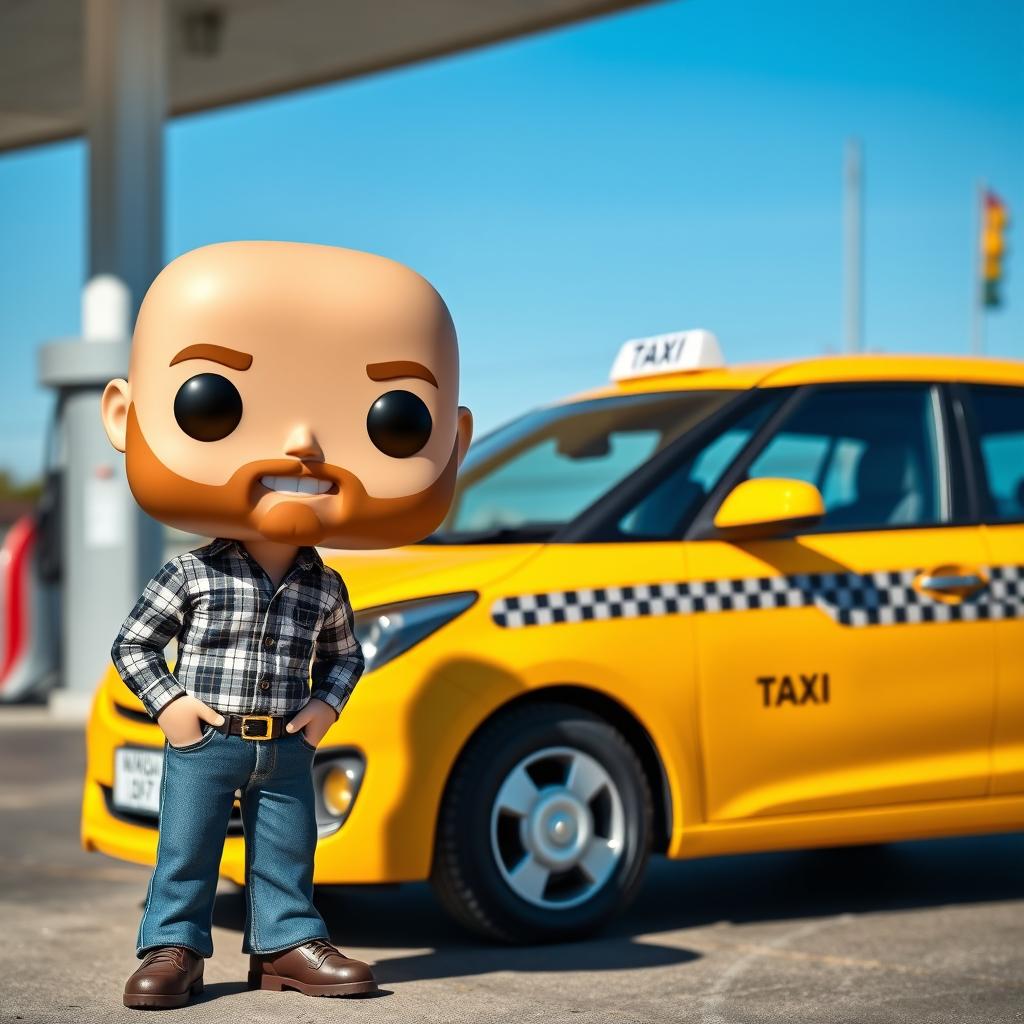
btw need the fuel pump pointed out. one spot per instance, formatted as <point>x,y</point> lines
<point>107,548</point>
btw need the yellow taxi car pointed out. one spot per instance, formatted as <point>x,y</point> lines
<point>700,610</point>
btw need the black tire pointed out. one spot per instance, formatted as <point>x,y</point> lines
<point>466,876</point>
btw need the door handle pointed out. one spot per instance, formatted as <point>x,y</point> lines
<point>951,583</point>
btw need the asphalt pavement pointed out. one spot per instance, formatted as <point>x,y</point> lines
<point>929,931</point>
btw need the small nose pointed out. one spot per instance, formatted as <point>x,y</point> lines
<point>301,443</point>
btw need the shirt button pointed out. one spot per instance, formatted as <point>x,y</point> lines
<point>264,685</point>
<point>269,641</point>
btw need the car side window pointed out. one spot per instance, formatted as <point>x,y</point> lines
<point>873,452</point>
<point>663,510</point>
<point>999,419</point>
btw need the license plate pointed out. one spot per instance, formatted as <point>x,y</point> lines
<point>137,774</point>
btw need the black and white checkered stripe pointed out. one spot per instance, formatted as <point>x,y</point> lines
<point>851,599</point>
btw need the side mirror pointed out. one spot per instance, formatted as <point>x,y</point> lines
<point>767,507</point>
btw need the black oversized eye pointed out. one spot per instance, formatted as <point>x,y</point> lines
<point>399,424</point>
<point>208,407</point>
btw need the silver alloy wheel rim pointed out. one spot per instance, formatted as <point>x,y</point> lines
<point>570,834</point>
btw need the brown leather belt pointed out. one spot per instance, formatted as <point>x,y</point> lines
<point>254,727</point>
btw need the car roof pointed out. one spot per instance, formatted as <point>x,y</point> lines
<point>822,370</point>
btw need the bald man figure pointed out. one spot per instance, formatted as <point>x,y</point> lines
<point>279,396</point>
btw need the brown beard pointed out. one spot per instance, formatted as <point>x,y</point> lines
<point>349,518</point>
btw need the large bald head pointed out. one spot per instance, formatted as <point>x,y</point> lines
<point>297,393</point>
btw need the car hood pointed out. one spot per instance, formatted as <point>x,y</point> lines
<point>402,574</point>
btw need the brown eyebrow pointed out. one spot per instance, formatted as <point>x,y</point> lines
<point>400,368</point>
<point>216,354</point>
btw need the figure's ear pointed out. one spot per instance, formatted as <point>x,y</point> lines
<point>114,411</point>
<point>465,429</point>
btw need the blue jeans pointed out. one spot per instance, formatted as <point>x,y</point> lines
<point>197,791</point>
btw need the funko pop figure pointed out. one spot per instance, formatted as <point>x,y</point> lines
<point>279,396</point>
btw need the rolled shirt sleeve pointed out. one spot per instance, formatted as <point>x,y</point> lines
<point>338,659</point>
<point>138,651</point>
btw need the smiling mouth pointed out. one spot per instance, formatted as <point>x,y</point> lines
<point>298,485</point>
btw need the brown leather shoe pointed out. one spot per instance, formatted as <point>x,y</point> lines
<point>315,968</point>
<point>167,977</point>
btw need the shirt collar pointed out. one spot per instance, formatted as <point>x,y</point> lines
<point>308,558</point>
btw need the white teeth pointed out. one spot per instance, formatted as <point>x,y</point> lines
<point>296,484</point>
<point>279,483</point>
<point>311,485</point>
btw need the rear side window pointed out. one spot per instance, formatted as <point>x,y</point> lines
<point>999,420</point>
<point>875,453</point>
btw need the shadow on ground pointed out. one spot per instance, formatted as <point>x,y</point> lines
<point>219,989</point>
<point>676,895</point>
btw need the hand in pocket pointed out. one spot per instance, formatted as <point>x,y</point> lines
<point>314,718</point>
<point>182,720</point>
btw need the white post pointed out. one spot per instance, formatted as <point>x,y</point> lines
<point>853,232</point>
<point>106,309</point>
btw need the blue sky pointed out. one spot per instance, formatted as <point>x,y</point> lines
<point>675,166</point>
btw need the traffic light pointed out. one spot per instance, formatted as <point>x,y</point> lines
<point>995,219</point>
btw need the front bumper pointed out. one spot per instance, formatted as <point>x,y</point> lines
<point>387,837</point>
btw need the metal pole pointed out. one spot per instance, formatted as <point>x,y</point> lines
<point>126,102</point>
<point>978,268</point>
<point>853,237</point>
<point>110,548</point>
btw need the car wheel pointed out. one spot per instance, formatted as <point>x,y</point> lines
<point>545,827</point>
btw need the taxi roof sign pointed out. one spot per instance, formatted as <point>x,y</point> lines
<point>678,352</point>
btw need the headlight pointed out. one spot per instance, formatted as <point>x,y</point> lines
<point>337,776</point>
<point>389,630</point>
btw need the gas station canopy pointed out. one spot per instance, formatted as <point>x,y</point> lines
<point>233,50</point>
<point>114,70</point>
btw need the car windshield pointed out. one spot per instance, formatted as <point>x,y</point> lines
<point>527,479</point>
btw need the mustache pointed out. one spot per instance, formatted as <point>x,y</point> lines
<point>325,471</point>
<point>346,491</point>
<point>292,467</point>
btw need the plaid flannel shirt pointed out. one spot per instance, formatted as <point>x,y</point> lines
<point>243,647</point>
